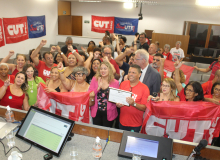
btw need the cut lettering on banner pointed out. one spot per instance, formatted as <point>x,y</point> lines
<point>16,29</point>
<point>2,41</point>
<point>102,24</point>
<point>188,121</point>
<point>71,105</point>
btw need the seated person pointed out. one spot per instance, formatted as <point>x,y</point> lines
<point>167,55</point>
<point>69,42</point>
<point>4,69</point>
<point>54,84</point>
<point>168,91</point>
<point>13,95</point>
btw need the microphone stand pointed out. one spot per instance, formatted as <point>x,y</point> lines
<point>190,156</point>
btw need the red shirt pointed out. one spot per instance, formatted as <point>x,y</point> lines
<point>207,87</point>
<point>12,100</point>
<point>214,68</point>
<point>129,115</point>
<point>43,70</point>
<point>15,71</point>
<point>182,95</point>
<point>11,77</point>
<point>164,74</point>
<point>112,61</point>
<point>168,56</point>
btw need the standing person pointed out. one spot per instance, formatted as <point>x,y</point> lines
<point>167,55</point>
<point>182,78</point>
<point>106,40</point>
<point>123,40</point>
<point>214,67</point>
<point>177,52</point>
<point>131,117</point>
<point>54,84</point>
<point>150,76</point>
<point>143,43</point>
<point>69,42</point>
<point>93,70</point>
<point>33,82</point>
<point>4,69</point>
<point>45,66</point>
<point>14,94</point>
<point>15,68</point>
<point>103,112</point>
<point>152,50</point>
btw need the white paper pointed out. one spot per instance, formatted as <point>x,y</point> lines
<point>118,96</point>
<point>2,124</point>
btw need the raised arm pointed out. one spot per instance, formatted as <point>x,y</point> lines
<point>105,59</point>
<point>135,42</point>
<point>25,103</point>
<point>119,59</point>
<point>34,55</point>
<point>77,55</point>
<point>62,55</point>
<point>177,65</point>
<point>117,44</point>
<point>4,60</point>
<point>202,69</point>
<point>162,60</point>
<point>87,63</point>
<point>66,82</point>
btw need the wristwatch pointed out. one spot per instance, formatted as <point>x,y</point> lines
<point>135,104</point>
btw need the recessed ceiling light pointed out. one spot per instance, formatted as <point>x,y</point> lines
<point>208,3</point>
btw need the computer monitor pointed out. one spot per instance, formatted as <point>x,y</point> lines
<point>45,130</point>
<point>150,147</point>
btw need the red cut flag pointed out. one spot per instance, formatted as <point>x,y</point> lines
<point>102,24</point>
<point>2,41</point>
<point>71,105</point>
<point>16,29</point>
<point>169,68</point>
<point>188,121</point>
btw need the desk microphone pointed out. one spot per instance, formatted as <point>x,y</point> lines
<point>202,144</point>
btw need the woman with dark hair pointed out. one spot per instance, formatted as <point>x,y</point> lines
<point>91,43</point>
<point>94,68</point>
<point>20,60</point>
<point>193,90</point>
<point>14,94</point>
<point>107,33</point>
<point>58,58</point>
<point>33,81</point>
<point>215,94</point>
<point>30,60</point>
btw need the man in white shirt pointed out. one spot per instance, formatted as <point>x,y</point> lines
<point>177,52</point>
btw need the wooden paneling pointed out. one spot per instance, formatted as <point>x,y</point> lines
<point>171,40</point>
<point>64,6</point>
<point>149,33</point>
<point>77,25</point>
<point>65,25</point>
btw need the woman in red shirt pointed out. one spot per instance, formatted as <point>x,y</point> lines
<point>215,94</point>
<point>4,74</point>
<point>193,90</point>
<point>167,55</point>
<point>14,94</point>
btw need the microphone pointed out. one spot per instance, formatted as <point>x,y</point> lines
<point>202,144</point>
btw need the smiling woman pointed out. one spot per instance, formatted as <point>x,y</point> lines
<point>4,69</point>
<point>14,94</point>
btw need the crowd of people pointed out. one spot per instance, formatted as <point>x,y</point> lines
<point>111,63</point>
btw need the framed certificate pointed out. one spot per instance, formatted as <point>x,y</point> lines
<point>118,96</point>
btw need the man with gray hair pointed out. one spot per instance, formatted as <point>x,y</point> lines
<point>150,76</point>
<point>107,52</point>
<point>177,52</point>
<point>106,40</point>
<point>69,41</point>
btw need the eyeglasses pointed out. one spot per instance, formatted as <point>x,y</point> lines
<point>216,89</point>
<point>79,74</point>
<point>138,59</point>
<point>156,60</point>
<point>189,90</point>
<point>141,37</point>
<point>167,86</point>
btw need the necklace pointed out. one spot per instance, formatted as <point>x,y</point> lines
<point>32,87</point>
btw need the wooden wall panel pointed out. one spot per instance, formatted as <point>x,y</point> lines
<point>77,25</point>
<point>64,25</point>
<point>64,6</point>
<point>171,40</point>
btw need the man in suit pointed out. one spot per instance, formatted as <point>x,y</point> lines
<point>150,76</point>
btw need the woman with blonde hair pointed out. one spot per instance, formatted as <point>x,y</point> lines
<point>182,78</point>
<point>103,112</point>
<point>168,91</point>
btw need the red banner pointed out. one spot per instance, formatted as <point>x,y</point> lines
<point>16,29</point>
<point>102,24</point>
<point>188,121</point>
<point>2,41</point>
<point>72,105</point>
<point>169,68</point>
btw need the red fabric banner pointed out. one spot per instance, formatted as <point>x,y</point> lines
<point>2,41</point>
<point>188,121</point>
<point>102,24</point>
<point>169,68</point>
<point>16,29</point>
<point>72,105</point>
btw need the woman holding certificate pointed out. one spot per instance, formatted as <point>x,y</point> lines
<point>103,112</point>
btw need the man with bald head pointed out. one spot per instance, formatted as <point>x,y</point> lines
<point>150,76</point>
<point>207,86</point>
<point>152,49</point>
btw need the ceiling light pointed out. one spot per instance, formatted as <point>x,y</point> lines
<point>128,5</point>
<point>88,1</point>
<point>208,3</point>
